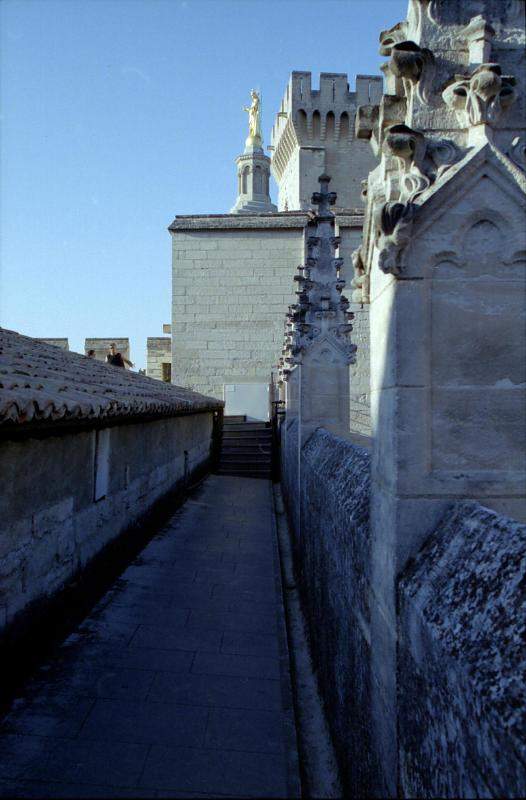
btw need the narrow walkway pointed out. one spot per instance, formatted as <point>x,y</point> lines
<point>178,684</point>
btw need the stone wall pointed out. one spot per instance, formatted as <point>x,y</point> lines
<point>290,469</point>
<point>314,133</point>
<point>462,661</point>
<point>54,521</point>
<point>237,273</point>
<point>102,346</point>
<point>158,352</point>
<point>444,259</point>
<point>360,373</point>
<point>333,565</point>
<point>459,656</point>
<point>231,288</point>
<point>63,343</point>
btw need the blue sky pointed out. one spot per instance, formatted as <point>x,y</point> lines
<point>119,114</point>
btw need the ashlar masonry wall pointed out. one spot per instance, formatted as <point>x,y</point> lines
<point>159,357</point>
<point>459,652</point>
<point>232,283</point>
<point>55,520</point>
<point>233,279</point>
<point>349,229</point>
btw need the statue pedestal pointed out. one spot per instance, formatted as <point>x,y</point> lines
<point>253,173</point>
<point>253,144</point>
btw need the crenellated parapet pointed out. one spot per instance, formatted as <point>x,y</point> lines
<point>310,109</point>
<point>314,130</point>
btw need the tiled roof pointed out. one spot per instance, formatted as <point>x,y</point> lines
<point>42,383</point>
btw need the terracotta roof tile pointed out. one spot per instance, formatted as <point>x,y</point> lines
<point>42,383</point>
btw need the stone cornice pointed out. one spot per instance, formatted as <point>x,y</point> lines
<point>283,219</point>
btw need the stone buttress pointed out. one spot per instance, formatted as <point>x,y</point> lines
<point>443,266</point>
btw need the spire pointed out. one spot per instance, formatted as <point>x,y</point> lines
<point>253,167</point>
<point>318,325</point>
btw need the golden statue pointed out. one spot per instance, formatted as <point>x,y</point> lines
<point>254,120</point>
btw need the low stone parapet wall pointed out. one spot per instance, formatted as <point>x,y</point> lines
<point>460,663</point>
<point>462,659</point>
<point>290,468</point>
<point>72,493</point>
<point>331,545</point>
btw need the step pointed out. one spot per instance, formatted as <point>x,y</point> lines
<point>247,434</point>
<point>236,452</point>
<point>251,445</point>
<point>246,451</point>
<point>246,447</point>
<point>236,446</point>
<point>234,418</point>
<point>248,427</point>
<point>252,473</point>
<point>245,462</point>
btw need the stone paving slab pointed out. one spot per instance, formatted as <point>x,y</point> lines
<point>177,684</point>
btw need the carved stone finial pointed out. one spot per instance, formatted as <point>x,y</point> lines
<point>409,147</point>
<point>393,230</point>
<point>482,97</point>
<point>320,320</point>
<point>517,152</point>
<point>479,34</point>
<point>411,64</point>
<point>324,199</point>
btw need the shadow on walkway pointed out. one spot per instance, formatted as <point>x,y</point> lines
<point>177,684</point>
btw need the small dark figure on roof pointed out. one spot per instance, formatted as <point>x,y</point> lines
<point>116,359</point>
<point>91,353</point>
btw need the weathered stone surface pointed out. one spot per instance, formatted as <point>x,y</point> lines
<point>101,346</point>
<point>359,373</point>
<point>462,660</point>
<point>78,476</point>
<point>333,566</point>
<point>53,524</point>
<point>63,343</point>
<point>158,691</point>
<point>314,133</point>
<point>443,259</point>
<point>159,357</point>
<point>290,468</point>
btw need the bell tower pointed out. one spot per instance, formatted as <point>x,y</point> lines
<point>253,167</point>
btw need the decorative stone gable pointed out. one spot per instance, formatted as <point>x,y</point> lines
<point>454,82</point>
<point>443,268</point>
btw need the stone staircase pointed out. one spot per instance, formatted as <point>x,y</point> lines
<point>246,448</point>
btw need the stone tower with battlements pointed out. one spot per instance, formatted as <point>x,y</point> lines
<point>314,133</point>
